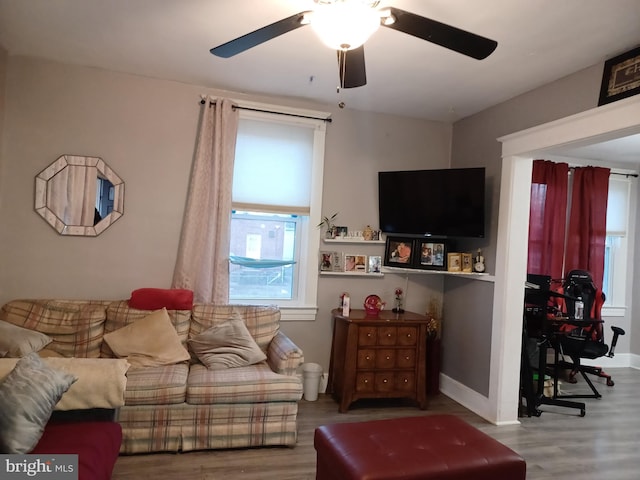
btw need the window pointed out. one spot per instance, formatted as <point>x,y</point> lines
<point>277,197</point>
<point>615,259</point>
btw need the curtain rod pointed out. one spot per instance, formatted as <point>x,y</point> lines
<point>613,173</point>
<point>236,107</point>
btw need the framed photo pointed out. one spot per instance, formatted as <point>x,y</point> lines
<point>454,262</point>
<point>375,264</point>
<point>398,252</point>
<point>467,263</point>
<point>431,254</point>
<point>355,263</point>
<point>342,232</point>
<point>331,261</point>
<point>621,77</point>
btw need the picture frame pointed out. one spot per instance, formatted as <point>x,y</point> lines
<point>467,263</point>
<point>621,77</point>
<point>431,254</point>
<point>375,264</point>
<point>342,232</point>
<point>399,252</point>
<point>330,261</point>
<point>355,263</point>
<point>454,262</point>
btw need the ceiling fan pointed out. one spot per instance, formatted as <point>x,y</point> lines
<point>345,25</point>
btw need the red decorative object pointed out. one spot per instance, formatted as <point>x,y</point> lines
<point>373,304</point>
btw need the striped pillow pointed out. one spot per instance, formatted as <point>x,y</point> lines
<point>27,397</point>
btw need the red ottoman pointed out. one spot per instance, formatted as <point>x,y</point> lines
<point>441,447</point>
<point>97,445</point>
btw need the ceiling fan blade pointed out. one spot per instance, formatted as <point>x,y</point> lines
<point>441,34</point>
<point>352,69</point>
<point>252,39</point>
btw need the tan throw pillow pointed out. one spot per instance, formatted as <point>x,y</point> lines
<point>227,345</point>
<point>149,342</point>
<point>17,341</point>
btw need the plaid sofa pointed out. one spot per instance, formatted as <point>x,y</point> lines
<point>185,406</point>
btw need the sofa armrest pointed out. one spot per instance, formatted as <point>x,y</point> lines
<point>283,355</point>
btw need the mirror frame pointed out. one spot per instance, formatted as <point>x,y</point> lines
<point>43,186</point>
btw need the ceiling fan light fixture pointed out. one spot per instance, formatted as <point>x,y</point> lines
<point>345,25</point>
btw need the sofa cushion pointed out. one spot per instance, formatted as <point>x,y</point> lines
<point>156,385</point>
<point>27,397</point>
<point>16,341</point>
<point>75,326</point>
<point>149,342</point>
<point>262,321</point>
<point>227,345</point>
<point>156,298</point>
<point>255,383</point>
<point>120,314</point>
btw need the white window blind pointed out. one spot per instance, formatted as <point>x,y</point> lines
<point>617,206</point>
<point>273,167</point>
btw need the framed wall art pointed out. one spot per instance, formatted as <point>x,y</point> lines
<point>454,262</point>
<point>621,77</point>
<point>399,252</point>
<point>430,254</point>
<point>467,263</point>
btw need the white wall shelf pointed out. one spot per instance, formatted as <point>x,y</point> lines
<point>353,274</point>
<point>484,277</point>
<point>359,241</point>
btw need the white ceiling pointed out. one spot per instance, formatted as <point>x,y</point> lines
<point>539,41</point>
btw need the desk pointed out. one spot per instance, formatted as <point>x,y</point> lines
<point>536,325</point>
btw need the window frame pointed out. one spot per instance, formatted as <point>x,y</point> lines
<point>304,307</point>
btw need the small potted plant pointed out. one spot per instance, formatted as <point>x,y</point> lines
<point>327,222</point>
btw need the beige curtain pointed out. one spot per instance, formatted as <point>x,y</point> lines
<point>202,264</point>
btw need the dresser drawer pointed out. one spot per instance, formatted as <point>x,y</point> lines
<point>385,382</point>
<point>365,382</point>
<point>387,335</point>
<point>366,359</point>
<point>406,358</point>
<point>405,381</point>
<point>385,358</point>
<point>367,336</point>
<point>407,336</point>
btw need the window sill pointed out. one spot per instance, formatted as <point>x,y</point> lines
<point>298,314</point>
<point>613,311</point>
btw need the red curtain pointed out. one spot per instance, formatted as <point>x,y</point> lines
<point>588,222</point>
<point>548,217</point>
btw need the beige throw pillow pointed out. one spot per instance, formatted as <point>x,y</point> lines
<point>227,345</point>
<point>17,341</point>
<point>149,342</point>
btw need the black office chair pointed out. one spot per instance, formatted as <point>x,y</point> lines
<point>582,335</point>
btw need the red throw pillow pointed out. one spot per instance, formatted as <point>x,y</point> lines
<point>156,298</point>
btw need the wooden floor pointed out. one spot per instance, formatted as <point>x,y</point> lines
<point>559,444</point>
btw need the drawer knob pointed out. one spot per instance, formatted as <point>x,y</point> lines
<point>368,357</point>
<point>366,381</point>
<point>369,334</point>
<point>408,335</point>
<point>384,381</point>
<point>406,358</point>
<point>406,381</point>
<point>388,334</point>
<point>388,357</point>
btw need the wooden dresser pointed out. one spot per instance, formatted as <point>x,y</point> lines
<point>378,357</point>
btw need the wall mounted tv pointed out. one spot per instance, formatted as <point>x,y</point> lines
<point>439,203</point>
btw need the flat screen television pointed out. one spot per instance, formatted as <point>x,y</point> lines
<point>439,203</point>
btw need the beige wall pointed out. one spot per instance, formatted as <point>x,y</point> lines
<point>3,75</point>
<point>475,143</point>
<point>145,130</point>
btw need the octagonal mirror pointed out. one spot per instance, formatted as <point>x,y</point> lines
<point>79,195</point>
